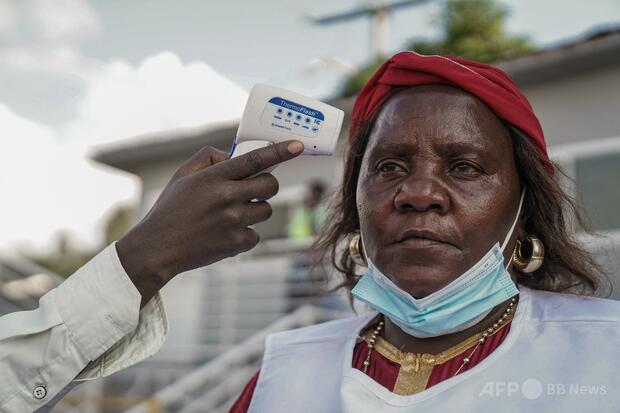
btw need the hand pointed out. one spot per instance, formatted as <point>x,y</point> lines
<point>202,215</point>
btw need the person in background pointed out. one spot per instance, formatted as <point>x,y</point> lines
<point>307,219</point>
<point>303,226</point>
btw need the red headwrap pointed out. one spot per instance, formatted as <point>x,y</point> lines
<point>489,84</point>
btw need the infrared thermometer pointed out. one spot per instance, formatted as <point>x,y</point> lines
<point>274,115</point>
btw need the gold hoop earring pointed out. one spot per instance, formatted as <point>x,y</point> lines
<point>355,251</point>
<point>534,262</point>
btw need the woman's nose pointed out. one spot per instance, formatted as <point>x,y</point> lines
<point>421,193</point>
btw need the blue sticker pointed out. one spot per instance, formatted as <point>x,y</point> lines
<point>287,104</point>
<point>291,117</point>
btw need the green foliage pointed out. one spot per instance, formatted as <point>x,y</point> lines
<point>354,83</point>
<point>473,29</point>
<point>67,257</point>
<point>118,224</point>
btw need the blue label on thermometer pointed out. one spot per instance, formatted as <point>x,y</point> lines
<point>288,116</point>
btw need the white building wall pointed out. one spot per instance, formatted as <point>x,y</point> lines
<point>577,108</point>
<point>154,176</point>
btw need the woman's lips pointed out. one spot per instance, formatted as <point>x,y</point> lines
<point>422,238</point>
<point>421,243</point>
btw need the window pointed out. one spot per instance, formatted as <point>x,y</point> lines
<point>597,181</point>
<point>595,167</point>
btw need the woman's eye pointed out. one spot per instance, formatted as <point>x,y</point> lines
<point>466,168</point>
<point>388,167</point>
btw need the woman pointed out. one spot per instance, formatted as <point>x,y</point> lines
<point>471,265</point>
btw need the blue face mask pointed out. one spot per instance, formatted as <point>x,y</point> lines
<point>462,303</point>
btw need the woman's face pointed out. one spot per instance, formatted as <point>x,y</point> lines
<point>438,165</point>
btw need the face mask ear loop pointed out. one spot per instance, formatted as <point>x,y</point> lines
<point>514,223</point>
<point>509,262</point>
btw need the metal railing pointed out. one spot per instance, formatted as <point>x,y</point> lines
<point>212,385</point>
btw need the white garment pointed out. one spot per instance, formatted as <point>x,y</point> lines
<point>562,353</point>
<point>88,327</point>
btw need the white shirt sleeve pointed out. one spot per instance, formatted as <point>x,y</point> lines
<point>88,327</point>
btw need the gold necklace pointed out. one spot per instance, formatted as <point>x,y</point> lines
<point>499,323</point>
<point>483,336</point>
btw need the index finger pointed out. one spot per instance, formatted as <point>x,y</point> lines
<point>258,160</point>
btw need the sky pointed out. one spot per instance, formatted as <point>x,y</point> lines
<point>77,74</point>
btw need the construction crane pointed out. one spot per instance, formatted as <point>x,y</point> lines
<point>380,13</point>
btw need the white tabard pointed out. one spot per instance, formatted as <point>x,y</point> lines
<point>562,353</point>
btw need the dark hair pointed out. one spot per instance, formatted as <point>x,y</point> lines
<point>548,212</point>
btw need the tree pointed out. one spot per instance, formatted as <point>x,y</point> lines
<point>473,29</point>
<point>118,223</point>
<point>67,257</point>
